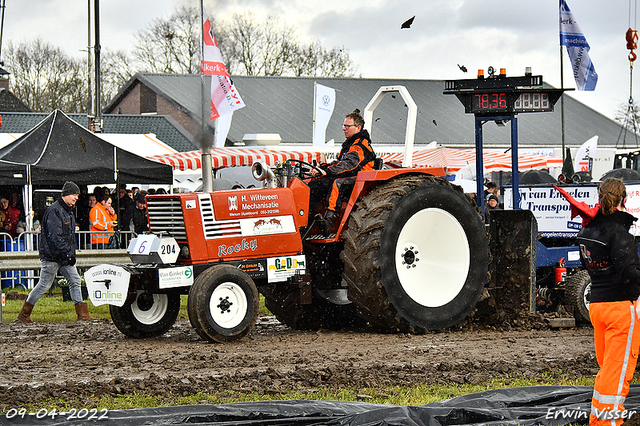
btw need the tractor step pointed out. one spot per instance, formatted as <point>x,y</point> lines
<point>561,322</point>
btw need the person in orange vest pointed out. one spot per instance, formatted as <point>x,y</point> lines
<point>102,219</point>
<point>610,255</point>
<point>334,181</point>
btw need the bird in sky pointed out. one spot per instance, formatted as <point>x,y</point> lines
<point>434,122</point>
<point>407,23</point>
<point>462,68</point>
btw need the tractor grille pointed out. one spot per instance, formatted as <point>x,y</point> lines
<point>213,228</point>
<point>165,217</point>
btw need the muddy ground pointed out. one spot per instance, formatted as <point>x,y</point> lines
<point>87,360</point>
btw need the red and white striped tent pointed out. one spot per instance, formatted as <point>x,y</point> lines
<point>453,159</point>
<point>232,157</point>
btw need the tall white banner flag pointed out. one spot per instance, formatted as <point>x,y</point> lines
<point>578,49</point>
<point>224,96</point>
<point>222,130</point>
<point>586,155</point>
<point>324,102</point>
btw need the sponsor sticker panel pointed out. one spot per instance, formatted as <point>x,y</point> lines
<point>282,267</point>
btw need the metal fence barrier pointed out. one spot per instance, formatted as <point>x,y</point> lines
<point>20,266</point>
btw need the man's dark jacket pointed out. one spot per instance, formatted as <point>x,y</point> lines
<point>57,237</point>
<point>140,222</point>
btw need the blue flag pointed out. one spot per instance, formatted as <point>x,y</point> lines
<point>578,49</point>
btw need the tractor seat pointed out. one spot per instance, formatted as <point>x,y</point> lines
<point>378,164</point>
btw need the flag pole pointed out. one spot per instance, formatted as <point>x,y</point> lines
<point>207,178</point>
<point>562,100</point>
<point>562,87</point>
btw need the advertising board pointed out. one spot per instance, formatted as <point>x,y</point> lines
<point>553,212</point>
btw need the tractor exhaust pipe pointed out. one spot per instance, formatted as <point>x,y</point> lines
<point>261,171</point>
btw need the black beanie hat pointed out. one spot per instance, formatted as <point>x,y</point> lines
<point>70,188</point>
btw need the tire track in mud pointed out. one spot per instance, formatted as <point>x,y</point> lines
<point>88,360</point>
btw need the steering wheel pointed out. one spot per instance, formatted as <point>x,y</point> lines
<point>305,173</point>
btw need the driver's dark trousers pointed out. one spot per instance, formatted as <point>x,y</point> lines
<point>616,332</point>
<point>336,191</point>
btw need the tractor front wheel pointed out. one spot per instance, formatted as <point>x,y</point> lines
<point>150,314</point>
<point>223,304</point>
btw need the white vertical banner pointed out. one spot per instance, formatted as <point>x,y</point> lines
<point>223,124</point>
<point>324,101</point>
<point>586,155</point>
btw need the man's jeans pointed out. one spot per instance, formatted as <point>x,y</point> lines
<point>48,274</point>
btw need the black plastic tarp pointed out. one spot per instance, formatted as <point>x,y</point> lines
<point>59,149</point>
<point>539,405</point>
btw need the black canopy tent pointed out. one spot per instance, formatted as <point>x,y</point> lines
<point>59,149</point>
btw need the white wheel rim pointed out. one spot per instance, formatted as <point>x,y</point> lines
<point>228,305</point>
<point>587,290</point>
<point>432,257</point>
<point>155,313</point>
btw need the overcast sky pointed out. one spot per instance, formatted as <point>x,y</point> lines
<point>477,34</point>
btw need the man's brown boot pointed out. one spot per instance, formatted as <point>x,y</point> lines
<point>25,314</point>
<point>82,309</point>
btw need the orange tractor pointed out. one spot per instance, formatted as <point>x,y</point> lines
<point>409,253</point>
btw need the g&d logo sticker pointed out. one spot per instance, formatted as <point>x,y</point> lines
<point>281,268</point>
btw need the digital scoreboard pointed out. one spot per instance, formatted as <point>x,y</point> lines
<point>507,102</point>
<point>503,95</point>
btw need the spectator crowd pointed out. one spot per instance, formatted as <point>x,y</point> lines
<point>99,214</point>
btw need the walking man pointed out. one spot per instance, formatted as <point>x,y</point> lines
<point>58,253</point>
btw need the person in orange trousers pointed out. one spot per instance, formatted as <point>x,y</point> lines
<point>610,255</point>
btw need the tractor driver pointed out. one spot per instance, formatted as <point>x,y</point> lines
<point>336,180</point>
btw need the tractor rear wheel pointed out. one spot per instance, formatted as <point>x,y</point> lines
<point>150,314</point>
<point>223,304</point>
<point>329,309</point>
<point>416,255</point>
<point>578,296</point>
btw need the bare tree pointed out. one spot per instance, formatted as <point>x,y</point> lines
<point>171,45</point>
<point>272,48</point>
<point>116,69</point>
<point>45,78</point>
<point>628,115</point>
<point>313,60</point>
<point>248,47</point>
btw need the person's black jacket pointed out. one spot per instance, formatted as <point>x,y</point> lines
<point>57,237</point>
<point>610,254</point>
<point>140,222</point>
<point>356,155</point>
<point>127,207</point>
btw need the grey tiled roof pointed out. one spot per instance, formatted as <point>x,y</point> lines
<point>9,101</point>
<point>285,105</point>
<point>164,127</point>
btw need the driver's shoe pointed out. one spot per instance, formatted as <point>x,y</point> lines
<point>329,222</point>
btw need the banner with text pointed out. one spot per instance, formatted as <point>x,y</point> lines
<point>553,212</point>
